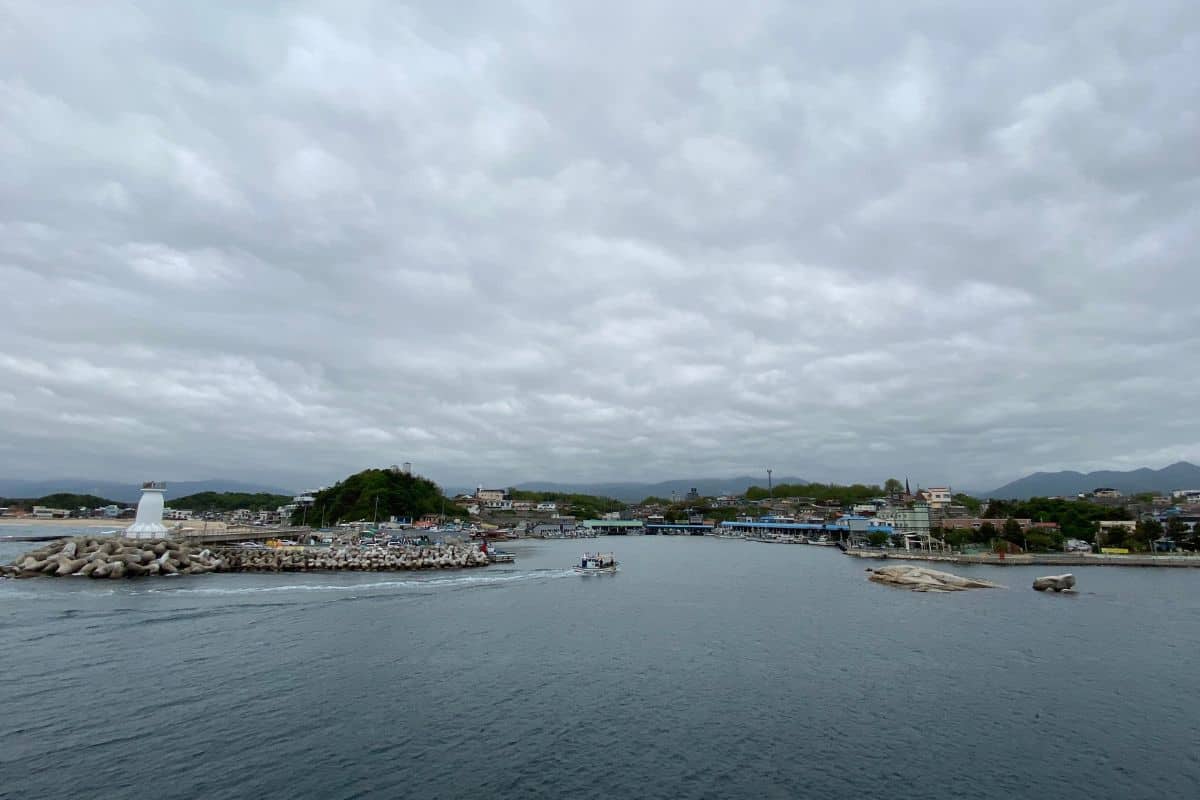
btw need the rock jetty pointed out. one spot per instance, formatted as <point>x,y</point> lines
<point>114,558</point>
<point>921,579</point>
<point>1059,583</point>
<point>135,558</point>
<point>374,559</point>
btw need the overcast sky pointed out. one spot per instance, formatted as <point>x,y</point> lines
<point>284,242</point>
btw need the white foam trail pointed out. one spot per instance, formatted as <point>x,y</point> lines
<point>437,583</point>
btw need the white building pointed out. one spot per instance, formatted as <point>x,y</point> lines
<point>547,506</point>
<point>938,497</point>
<point>45,512</point>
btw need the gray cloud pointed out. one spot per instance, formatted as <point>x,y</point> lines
<point>283,242</point>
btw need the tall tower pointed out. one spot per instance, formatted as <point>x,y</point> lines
<point>148,524</point>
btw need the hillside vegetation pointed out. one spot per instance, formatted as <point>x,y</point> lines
<point>229,501</point>
<point>820,492</point>
<point>66,500</point>
<point>398,494</point>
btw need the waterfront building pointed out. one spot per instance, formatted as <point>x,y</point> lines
<point>45,512</point>
<point>485,495</point>
<point>613,527</point>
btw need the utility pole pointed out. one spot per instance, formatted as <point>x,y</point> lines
<point>376,523</point>
<point>770,486</point>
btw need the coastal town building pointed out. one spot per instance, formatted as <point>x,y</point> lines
<point>485,495</point>
<point>44,512</point>
<point>1105,492</point>
<point>938,497</point>
<point>613,526</point>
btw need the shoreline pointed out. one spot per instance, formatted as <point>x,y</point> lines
<point>1038,559</point>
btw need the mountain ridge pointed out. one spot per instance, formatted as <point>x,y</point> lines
<point>122,492</point>
<point>1180,475</point>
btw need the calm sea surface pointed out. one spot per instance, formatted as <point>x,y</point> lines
<point>705,668</point>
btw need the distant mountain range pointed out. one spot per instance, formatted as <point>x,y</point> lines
<point>632,492</point>
<point>125,492</point>
<point>1180,475</point>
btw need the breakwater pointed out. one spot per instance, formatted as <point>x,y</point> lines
<point>111,557</point>
<point>372,559</point>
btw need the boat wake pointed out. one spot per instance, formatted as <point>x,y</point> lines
<point>441,583</point>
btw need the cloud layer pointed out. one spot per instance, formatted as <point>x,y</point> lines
<point>564,240</point>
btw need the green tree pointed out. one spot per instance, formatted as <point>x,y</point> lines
<point>987,532</point>
<point>957,537</point>
<point>972,504</point>
<point>877,539</point>
<point>893,486</point>
<point>1176,529</point>
<point>1146,532</point>
<point>1012,531</point>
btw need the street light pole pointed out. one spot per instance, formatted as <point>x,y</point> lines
<point>770,486</point>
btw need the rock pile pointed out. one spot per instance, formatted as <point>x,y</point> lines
<point>921,579</point>
<point>113,558</point>
<point>129,558</point>
<point>375,559</point>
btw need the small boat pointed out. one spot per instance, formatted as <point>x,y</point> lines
<point>500,556</point>
<point>597,564</point>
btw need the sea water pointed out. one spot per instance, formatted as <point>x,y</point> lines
<point>704,668</point>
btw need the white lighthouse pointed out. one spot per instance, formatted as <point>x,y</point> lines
<point>148,524</point>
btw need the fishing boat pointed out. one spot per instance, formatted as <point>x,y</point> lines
<point>597,564</point>
<point>497,556</point>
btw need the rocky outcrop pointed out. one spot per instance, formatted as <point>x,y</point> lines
<point>1057,583</point>
<point>128,558</point>
<point>922,579</point>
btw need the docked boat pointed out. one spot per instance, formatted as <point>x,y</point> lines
<point>597,564</point>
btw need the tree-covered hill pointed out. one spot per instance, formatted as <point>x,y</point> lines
<point>229,501</point>
<point>398,494</point>
<point>820,492</point>
<point>66,500</point>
